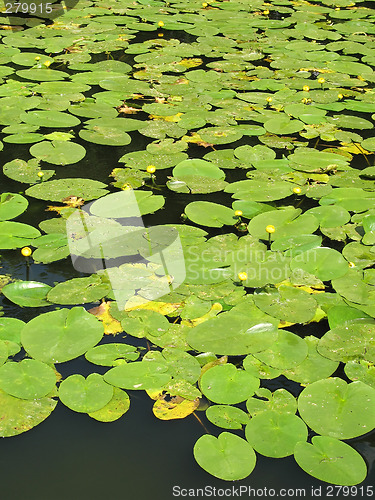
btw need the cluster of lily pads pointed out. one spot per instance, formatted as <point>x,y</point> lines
<point>257,117</point>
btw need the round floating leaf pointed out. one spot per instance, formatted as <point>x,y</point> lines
<point>28,379</point>
<point>227,457</point>
<point>330,407</point>
<point>16,235</point>
<point>10,329</point>
<point>62,188</point>
<point>12,205</point>
<point>226,384</point>
<point>280,401</point>
<point>106,136</point>
<point>288,351</point>
<point>283,125</point>
<point>53,119</point>
<point>287,303</point>
<point>331,460</point>
<point>361,370</point>
<point>227,417</point>
<point>275,434</point>
<point>314,367</point>
<point>59,336</point>
<point>78,291</point>
<point>330,216</point>
<point>85,395</point>
<point>110,354</point>
<point>198,167</point>
<point>21,415</point>
<point>127,204</point>
<point>22,171</point>
<point>352,340</point>
<point>58,152</point>
<point>210,214</point>
<point>116,408</point>
<point>234,336</point>
<point>324,263</point>
<point>41,75</point>
<point>141,376</point>
<point>27,293</point>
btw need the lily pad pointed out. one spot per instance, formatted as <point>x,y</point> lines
<point>58,152</point>
<point>227,457</point>
<point>27,293</point>
<point>28,379</point>
<point>12,205</point>
<point>139,376</point>
<point>85,395</point>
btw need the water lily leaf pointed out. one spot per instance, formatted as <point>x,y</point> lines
<point>330,407</point>
<point>362,371</point>
<point>222,135</point>
<point>144,323</point>
<point>78,291</point>
<point>51,247</point>
<point>227,457</point>
<point>27,293</point>
<point>259,369</point>
<point>176,407</point>
<point>12,205</point>
<point>287,303</point>
<point>330,215</point>
<point>62,335</point>
<point>181,364</point>
<point>198,167</point>
<point>288,351</point>
<point>111,325</point>
<point>283,431</point>
<point>283,125</point>
<point>53,119</point>
<point>331,460</point>
<point>116,408</point>
<point>232,335</point>
<point>314,367</point>
<point>16,235</point>
<point>210,214</point>
<point>22,171</point>
<point>337,315</point>
<point>226,416</point>
<point>21,415</point>
<point>351,199</point>
<point>10,329</point>
<point>146,375</point>
<point>110,354</point>
<point>127,204</point>
<point>26,138</point>
<point>41,75</point>
<point>324,263</point>
<point>369,143</point>
<point>106,136</point>
<point>280,401</point>
<point>58,152</point>
<point>28,379</point>
<point>351,340</point>
<point>85,395</point>
<point>89,109</point>
<point>226,384</point>
<point>62,188</point>
<point>260,190</point>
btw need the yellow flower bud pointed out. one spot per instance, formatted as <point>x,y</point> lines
<point>297,190</point>
<point>306,88</point>
<point>161,24</point>
<point>40,174</point>
<point>47,64</point>
<point>351,264</point>
<point>269,99</point>
<point>321,80</point>
<point>151,169</point>
<point>340,96</point>
<point>242,276</point>
<point>270,229</point>
<point>37,58</point>
<point>26,251</point>
<point>238,213</point>
<point>204,4</point>
<point>266,12</point>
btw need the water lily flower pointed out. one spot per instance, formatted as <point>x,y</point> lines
<point>340,96</point>
<point>266,12</point>
<point>204,4</point>
<point>26,251</point>
<point>297,190</point>
<point>242,276</point>
<point>37,58</point>
<point>161,24</point>
<point>47,64</point>
<point>270,229</point>
<point>321,80</point>
<point>151,169</point>
<point>238,213</point>
<point>351,264</point>
<point>306,88</point>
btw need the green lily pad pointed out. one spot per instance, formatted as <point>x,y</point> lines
<point>226,416</point>
<point>331,460</point>
<point>146,375</point>
<point>22,171</point>
<point>210,214</point>
<point>12,205</point>
<point>78,291</point>
<point>10,329</point>
<point>27,293</point>
<point>28,379</point>
<point>226,384</point>
<point>283,431</point>
<point>16,235</point>
<point>288,351</point>
<point>280,401</point>
<point>61,335</point>
<point>53,119</point>
<point>58,152</point>
<point>62,188</point>
<point>85,395</point>
<point>324,263</point>
<point>362,371</point>
<point>227,457</point>
<point>21,415</point>
<point>106,136</point>
<point>116,408</point>
<point>110,354</point>
<point>330,407</point>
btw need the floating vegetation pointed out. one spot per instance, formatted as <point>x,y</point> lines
<point>256,121</point>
